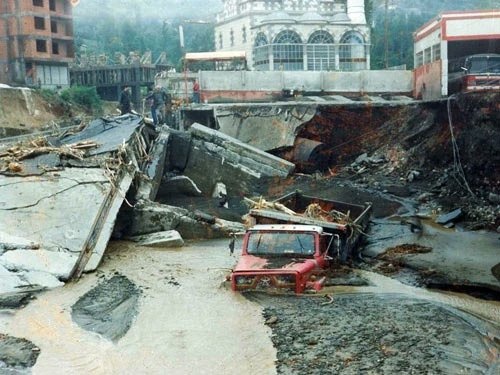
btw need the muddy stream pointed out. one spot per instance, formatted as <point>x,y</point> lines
<point>178,317</point>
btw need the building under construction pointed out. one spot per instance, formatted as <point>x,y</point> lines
<point>36,42</point>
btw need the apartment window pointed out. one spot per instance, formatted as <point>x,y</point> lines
<point>232,38</point>
<point>39,23</point>
<point>221,44</point>
<point>52,5</point>
<point>38,3</point>
<point>41,45</point>
<point>244,32</point>
<point>55,48</point>
<point>53,27</point>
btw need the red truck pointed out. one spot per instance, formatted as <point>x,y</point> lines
<point>286,251</point>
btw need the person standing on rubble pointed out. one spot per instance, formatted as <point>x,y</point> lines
<point>125,100</point>
<point>158,99</point>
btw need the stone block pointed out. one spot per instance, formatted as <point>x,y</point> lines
<point>170,238</point>
<point>59,264</point>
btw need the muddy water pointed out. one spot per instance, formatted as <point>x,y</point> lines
<point>187,323</point>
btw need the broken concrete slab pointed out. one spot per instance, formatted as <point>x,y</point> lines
<point>237,165</point>
<point>109,133</point>
<point>270,165</point>
<point>10,282</point>
<point>154,169</point>
<point>59,264</point>
<point>69,213</point>
<point>48,210</point>
<point>170,238</point>
<point>151,217</point>
<point>105,229</point>
<point>42,280</point>
<point>449,217</point>
<point>9,242</point>
<point>279,122</point>
<point>37,165</point>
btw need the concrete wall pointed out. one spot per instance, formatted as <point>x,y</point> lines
<point>238,85</point>
<point>428,81</point>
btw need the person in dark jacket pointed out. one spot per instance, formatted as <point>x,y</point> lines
<point>125,101</point>
<point>158,99</point>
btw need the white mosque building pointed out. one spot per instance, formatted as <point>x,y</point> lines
<point>312,35</point>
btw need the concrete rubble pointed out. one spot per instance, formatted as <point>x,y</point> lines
<point>170,238</point>
<point>60,197</point>
<point>206,160</point>
<point>247,122</point>
<point>237,165</point>
<point>59,204</point>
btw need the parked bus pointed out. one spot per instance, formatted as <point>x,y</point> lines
<point>474,73</point>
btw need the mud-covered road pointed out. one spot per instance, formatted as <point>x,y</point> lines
<point>154,311</point>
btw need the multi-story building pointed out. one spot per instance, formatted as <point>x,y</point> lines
<point>296,34</point>
<point>36,42</point>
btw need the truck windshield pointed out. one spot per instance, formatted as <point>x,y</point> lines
<point>281,243</point>
<point>484,64</point>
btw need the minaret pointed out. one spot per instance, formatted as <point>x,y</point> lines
<point>356,11</point>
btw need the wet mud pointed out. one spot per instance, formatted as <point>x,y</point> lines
<point>17,355</point>
<point>379,334</point>
<point>109,309</point>
<point>186,323</point>
<point>15,300</point>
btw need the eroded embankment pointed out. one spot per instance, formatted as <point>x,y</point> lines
<point>416,150</point>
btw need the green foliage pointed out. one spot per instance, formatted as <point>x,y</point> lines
<point>49,95</point>
<point>86,97</point>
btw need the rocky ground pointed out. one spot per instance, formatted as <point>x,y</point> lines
<point>375,334</point>
<point>352,334</point>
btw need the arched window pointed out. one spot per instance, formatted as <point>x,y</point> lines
<point>320,51</point>
<point>288,51</point>
<point>261,52</point>
<point>320,37</point>
<point>352,52</point>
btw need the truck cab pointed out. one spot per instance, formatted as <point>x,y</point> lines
<point>283,257</point>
